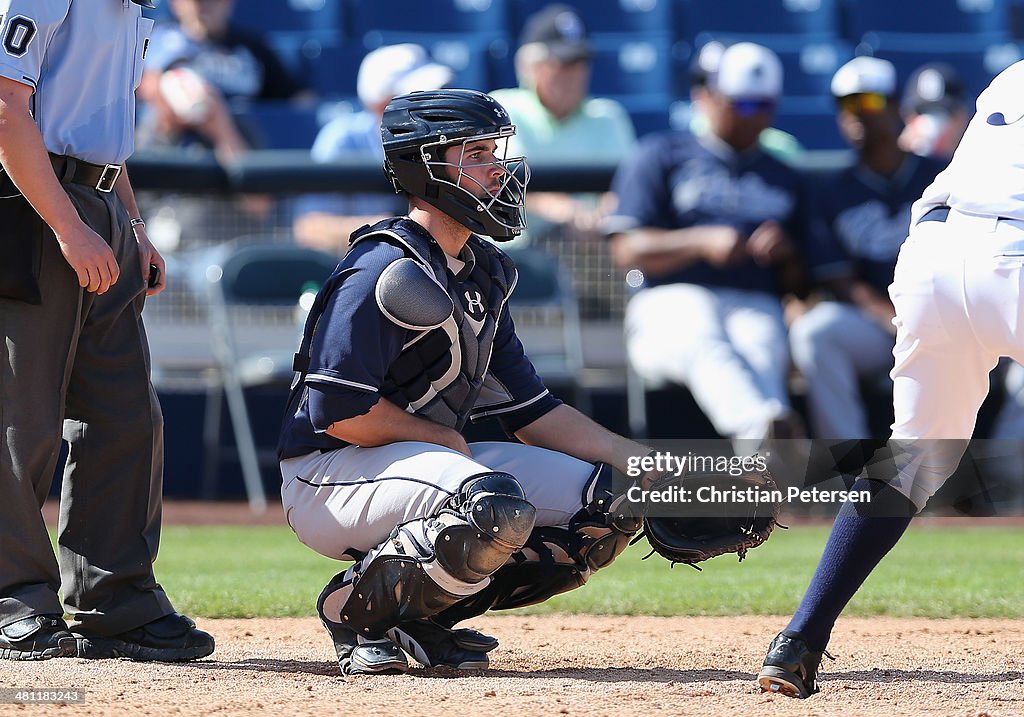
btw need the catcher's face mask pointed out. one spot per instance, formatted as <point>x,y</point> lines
<point>479,166</point>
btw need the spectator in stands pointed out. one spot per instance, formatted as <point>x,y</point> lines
<point>779,144</point>
<point>557,121</point>
<point>935,111</point>
<point>197,69</point>
<point>712,223</point>
<point>861,217</point>
<point>325,221</point>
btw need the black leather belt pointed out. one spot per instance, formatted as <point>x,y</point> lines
<point>77,171</point>
<point>935,214</point>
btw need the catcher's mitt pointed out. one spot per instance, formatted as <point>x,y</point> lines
<point>717,527</point>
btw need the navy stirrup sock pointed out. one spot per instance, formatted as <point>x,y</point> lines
<point>860,538</point>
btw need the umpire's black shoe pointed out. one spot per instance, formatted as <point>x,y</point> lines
<point>790,668</point>
<point>39,637</point>
<point>171,638</point>
<point>433,645</point>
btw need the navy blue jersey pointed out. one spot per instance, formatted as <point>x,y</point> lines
<point>860,220</point>
<point>357,354</point>
<point>677,181</point>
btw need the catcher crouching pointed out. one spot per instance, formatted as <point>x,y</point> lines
<point>408,340</point>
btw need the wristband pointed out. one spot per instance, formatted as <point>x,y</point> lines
<point>138,222</point>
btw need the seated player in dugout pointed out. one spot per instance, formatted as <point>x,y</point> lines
<point>407,340</point>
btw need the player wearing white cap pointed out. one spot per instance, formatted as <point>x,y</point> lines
<point>713,223</point>
<point>325,221</point>
<point>861,217</point>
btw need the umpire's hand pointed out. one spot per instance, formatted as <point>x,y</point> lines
<point>90,257</point>
<point>154,271</point>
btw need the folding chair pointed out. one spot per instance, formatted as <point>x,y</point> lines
<point>544,299</point>
<point>256,284</point>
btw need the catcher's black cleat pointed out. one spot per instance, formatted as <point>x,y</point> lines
<point>790,668</point>
<point>171,638</point>
<point>39,637</point>
<point>358,655</point>
<point>433,645</point>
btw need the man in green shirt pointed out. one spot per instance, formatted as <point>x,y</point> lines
<point>556,119</point>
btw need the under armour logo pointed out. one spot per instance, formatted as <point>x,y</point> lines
<point>474,302</point>
<point>500,112</point>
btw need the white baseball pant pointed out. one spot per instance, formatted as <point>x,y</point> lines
<point>728,346</point>
<point>957,292</point>
<point>352,498</point>
<point>834,345</point>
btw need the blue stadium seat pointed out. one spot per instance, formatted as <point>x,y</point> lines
<point>812,122</point>
<point>333,67</point>
<point>280,125</point>
<point>602,15</point>
<point>301,53</point>
<point>812,19</point>
<point>631,65</point>
<point>807,71</point>
<point>956,17</point>
<point>438,16</point>
<point>650,113</point>
<point>316,16</point>
<point>469,56</point>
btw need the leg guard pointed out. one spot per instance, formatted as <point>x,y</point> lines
<point>358,654</point>
<point>429,564</point>
<point>556,560</point>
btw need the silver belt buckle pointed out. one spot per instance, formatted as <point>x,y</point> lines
<point>107,178</point>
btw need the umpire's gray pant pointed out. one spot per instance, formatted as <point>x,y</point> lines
<point>81,361</point>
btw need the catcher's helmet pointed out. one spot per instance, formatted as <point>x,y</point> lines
<point>415,131</point>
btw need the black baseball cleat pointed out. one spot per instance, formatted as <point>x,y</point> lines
<point>39,637</point>
<point>358,655</point>
<point>171,638</point>
<point>790,668</point>
<point>433,645</point>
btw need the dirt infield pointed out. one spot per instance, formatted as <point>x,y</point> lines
<point>553,665</point>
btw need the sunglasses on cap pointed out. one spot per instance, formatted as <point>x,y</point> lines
<point>864,103</point>
<point>751,107</point>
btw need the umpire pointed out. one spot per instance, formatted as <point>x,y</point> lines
<point>75,269</point>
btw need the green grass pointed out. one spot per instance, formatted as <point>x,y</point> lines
<point>933,572</point>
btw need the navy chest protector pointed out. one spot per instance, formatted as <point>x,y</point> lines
<point>441,368</point>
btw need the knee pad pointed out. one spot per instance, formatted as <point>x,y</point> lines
<point>607,522</point>
<point>429,564</point>
<point>488,520</point>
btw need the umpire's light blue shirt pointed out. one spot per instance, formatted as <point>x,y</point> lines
<point>84,59</point>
